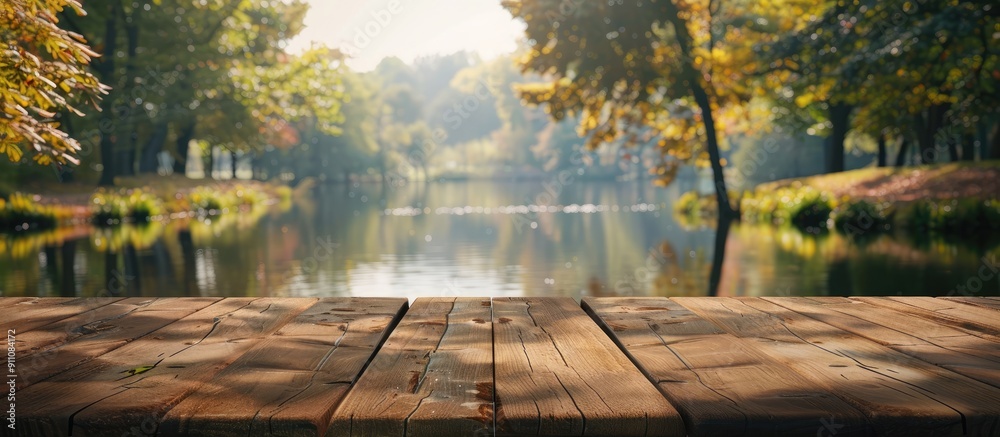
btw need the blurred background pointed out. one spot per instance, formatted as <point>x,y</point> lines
<point>487,148</point>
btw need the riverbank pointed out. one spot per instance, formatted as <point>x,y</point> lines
<point>142,199</point>
<point>954,198</point>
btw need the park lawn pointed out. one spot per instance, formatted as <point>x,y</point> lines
<point>903,185</point>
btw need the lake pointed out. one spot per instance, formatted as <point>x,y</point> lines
<point>538,238</point>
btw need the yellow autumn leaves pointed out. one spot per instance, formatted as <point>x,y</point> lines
<point>42,73</point>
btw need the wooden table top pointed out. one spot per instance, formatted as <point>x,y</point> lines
<point>821,366</point>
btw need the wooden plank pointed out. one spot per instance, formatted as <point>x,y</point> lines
<point>900,394</point>
<point>27,300</point>
<point>938,344</point>
<point>27,315</point>
<point>55,348</point>
<point>720,384</point>
<point>557,373</point>
<point>290,383</point>
<point>433,376</point>
<point>964,316</point>
<point>992,304</point>
<point>136,384</point>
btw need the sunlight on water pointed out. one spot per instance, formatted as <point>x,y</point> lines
<point>474,239</point>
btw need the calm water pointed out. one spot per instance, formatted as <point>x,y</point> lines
<point>479,239</point>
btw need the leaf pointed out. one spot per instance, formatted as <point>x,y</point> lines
<point>13,152</point>
<point>139,370</point>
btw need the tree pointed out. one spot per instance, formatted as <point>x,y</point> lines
<point>42,72</point>
<point>666,65</point>
<point>910,68</point>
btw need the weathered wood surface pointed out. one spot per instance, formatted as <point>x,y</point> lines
<point>290,382</point>
<point>137,383</point>
<point>721,384</point>
<point>901,395</point>
<point>26,315</point>
<point>942,345</point>
<point>57,347</point>
<point>525,366</point>
<point>991,303</point>
<point>971,317</point>
<point>557,373</point>
<point>433,376</point>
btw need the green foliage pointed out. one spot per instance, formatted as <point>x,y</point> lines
<point>109,207</point>
<point>144,207</point>
<point>205,200</point>
<point>21,213</point>
<point>689,204</point>
<point>860,217</point>
<point>114,207</point>
<point>958,217</point>
<point>808,210</point>
<point>803,207</point>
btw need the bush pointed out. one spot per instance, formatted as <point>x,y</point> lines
<point>21,213</point>
<point>144,207</point>
<point>108,208</point>
<point>861,218</point>
<point>207,201</point>
<point>689,204</point>
<point>961,217</point>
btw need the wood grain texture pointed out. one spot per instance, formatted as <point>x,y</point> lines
<point>433,376</point>
<point>10,301</point>
<point>55,348</point>
<point>557,373</point>
<point>108,396</point>
<point>900,394</point>
<point>721,384</point>
<point>982,321</point>
<point>991,303</point>
<point>24,316</point>
<point>942,345</point>
<point>290,383</point>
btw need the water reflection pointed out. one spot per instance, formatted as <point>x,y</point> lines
<point>507,239</point>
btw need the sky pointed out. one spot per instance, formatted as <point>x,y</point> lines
<point>408,29</point>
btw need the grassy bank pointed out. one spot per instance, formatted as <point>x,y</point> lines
<point>956,199</point>
<point>136,200</point>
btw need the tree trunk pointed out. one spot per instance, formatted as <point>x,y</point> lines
<point>904,147</point>
<point>149,162</point>
<point>184,137</point>
<point>721,194</point>
<point>691,74</point>
<point>126,160</point>
<point>840,117</point>
<point>952,149</point>
<point>105,68</point>
<point>928,130</point>
<point>131,117</point>
<point>968,147</point>
<point>210,165</point>
<point>881,151</point>
<point>233,163</point>
<point>995,143</point>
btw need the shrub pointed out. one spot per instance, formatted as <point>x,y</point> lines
<point>961,217</point>
<point>144,207</point>
<point>20,212</point>
<point>689,204</point>
<point>861,218</point>
<point>108,208</point>
<point>207,201</point>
